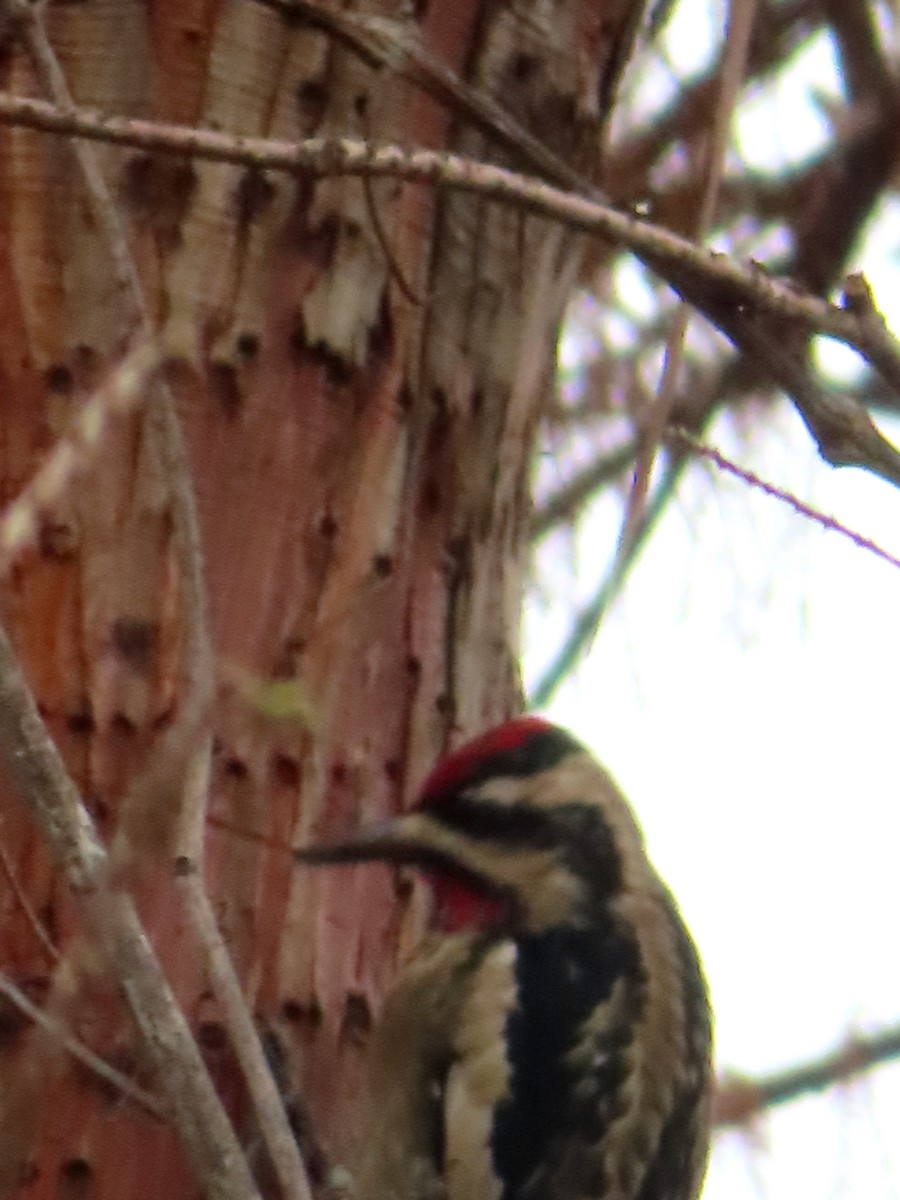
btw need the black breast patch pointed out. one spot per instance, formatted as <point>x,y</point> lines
<point>563,974</point>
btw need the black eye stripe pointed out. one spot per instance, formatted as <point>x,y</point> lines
<point>486,820</point>
<point>576,831</point>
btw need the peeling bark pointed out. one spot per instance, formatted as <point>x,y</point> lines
<point>360,428</point>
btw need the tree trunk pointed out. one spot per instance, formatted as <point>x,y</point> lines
<point>359,370</point>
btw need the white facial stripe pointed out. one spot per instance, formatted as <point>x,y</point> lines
<point>577,779</point>
<point>480,1077</point>
<point>549,892</point>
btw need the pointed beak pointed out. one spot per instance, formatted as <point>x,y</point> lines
<point>416,840</point>
<point>399,840</point>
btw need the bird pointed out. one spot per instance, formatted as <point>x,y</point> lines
<point>551,1037</point>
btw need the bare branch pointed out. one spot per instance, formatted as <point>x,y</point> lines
<point>563,505</point>
<point>37,925</point>
<point>28,21</point>
<point>46,789</point>
<point>699,448</point>
<point>741,16</point>
<point>587,621</point>
<point>388,44</point>
<point>162,420</point>
<point>267,1102</point>
<point>36,770</point>
<point>739,1099</point>
<point>119,1082</point>
<point>73,453</point>
<point>187,814</point>
<point>712,281</point>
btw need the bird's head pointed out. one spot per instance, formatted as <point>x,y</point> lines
<point>520,828</point>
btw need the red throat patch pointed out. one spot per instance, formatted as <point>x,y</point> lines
<point>459,906</point>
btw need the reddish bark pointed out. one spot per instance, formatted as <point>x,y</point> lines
<point>361,465</point>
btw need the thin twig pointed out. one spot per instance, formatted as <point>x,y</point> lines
<point>121,1083</point>
<point>196,651</point>
<point>197,1111</point>
<point>739,1099</point>
<point>268,1105</point>
<point>196,657</point>
<point>562,505</point>
<point>20,520</point>
<point>162,420</point>
<point>187,810</point>
<point>267,1102</point>
<point>587,621</point>
<point>734,62</point>
<point>28,19</point>
<point>38,774</point>
<point>384,242</point>
<point>702,450</point>
<point>394,45</point>
<point>27,907</point>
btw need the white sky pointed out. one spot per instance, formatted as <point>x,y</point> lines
<point>743,693</point>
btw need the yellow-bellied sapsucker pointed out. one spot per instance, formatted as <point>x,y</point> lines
<point>551,1038</point>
